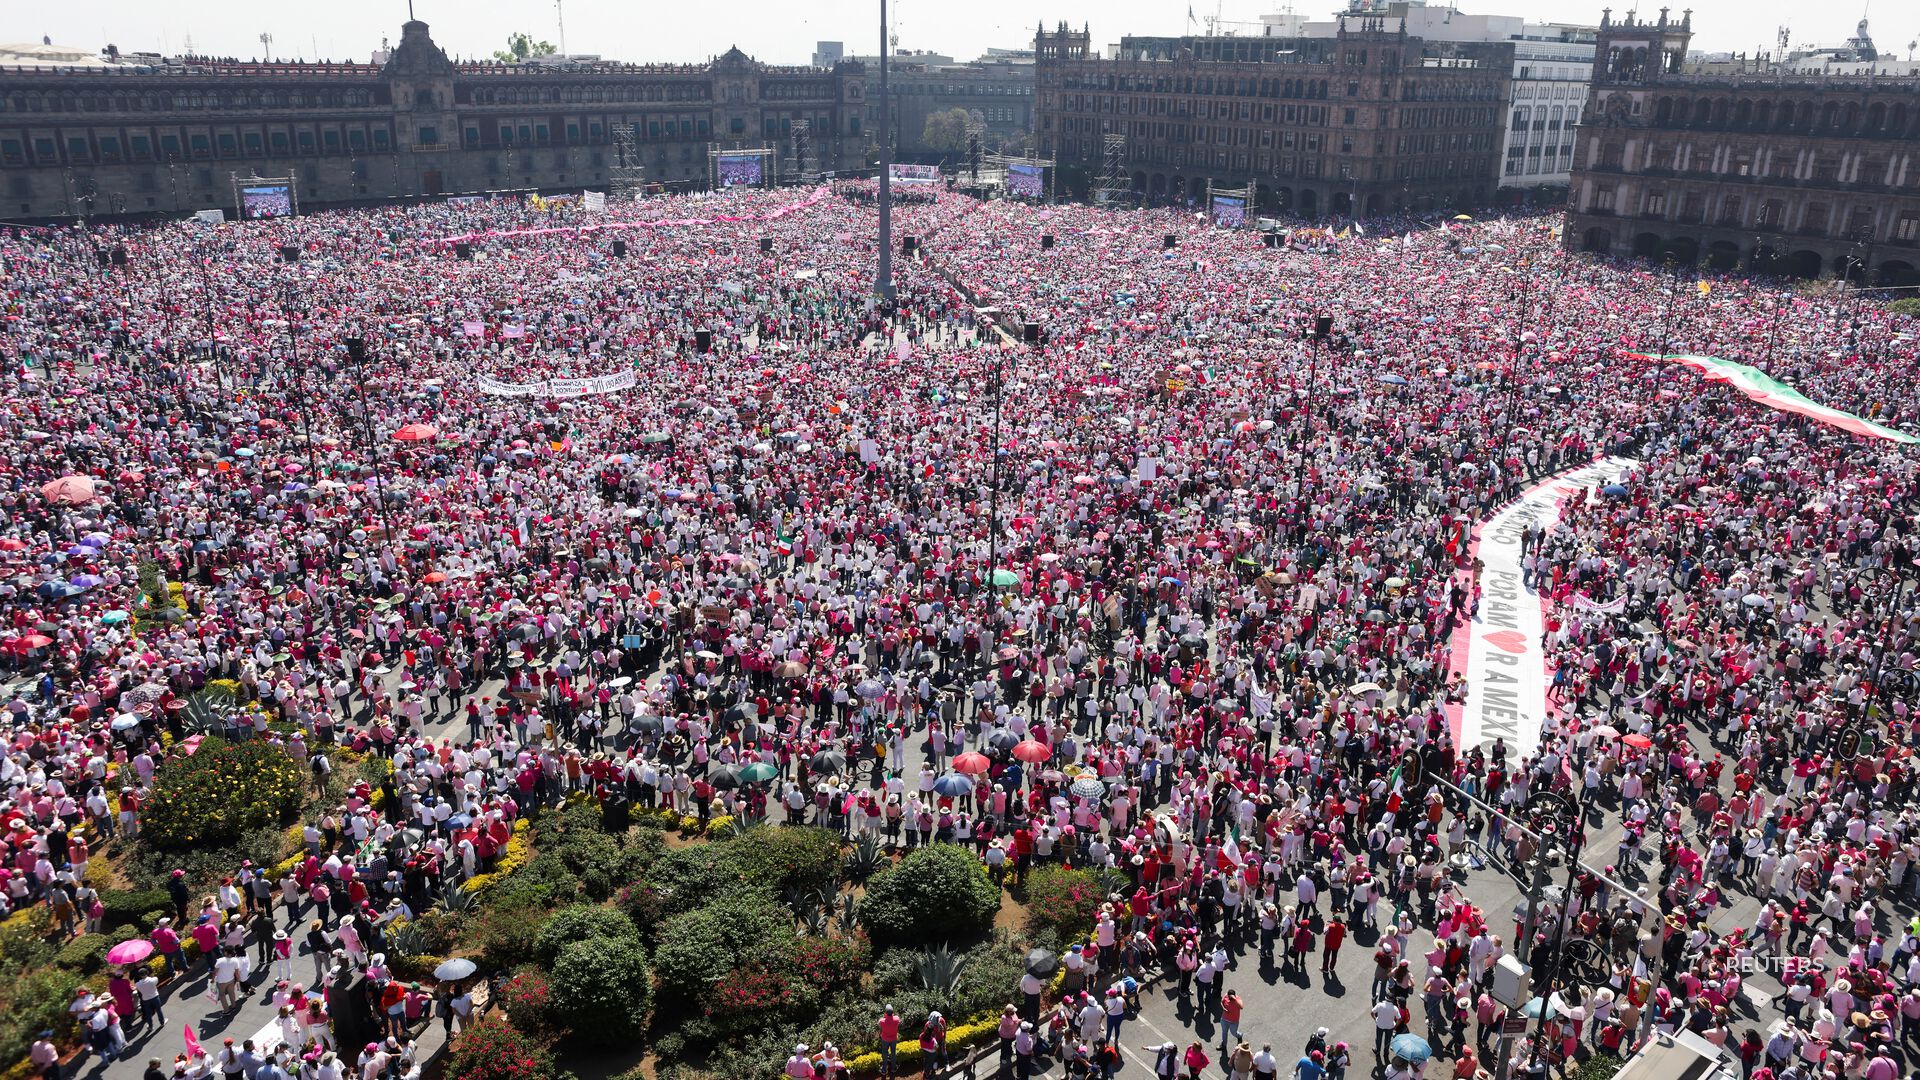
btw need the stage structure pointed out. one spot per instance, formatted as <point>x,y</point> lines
<point>1228,208</point>
<point>744,167</point>
<point>1025,177</point>
<point>266,196</point>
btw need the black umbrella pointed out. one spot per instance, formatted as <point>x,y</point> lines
<point>648,723</point>
<point>1041,962</point>
<point>724,778</point>
<point>1003,740</point>
<point>828,761</point>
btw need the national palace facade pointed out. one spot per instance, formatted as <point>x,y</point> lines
<point>1805,175</point>
<point>166,139</point>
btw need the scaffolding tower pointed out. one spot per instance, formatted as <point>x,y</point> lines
<point>1113,188</point>
<point>802,136</point>
<point>628,178</point>
<point>976,137</point>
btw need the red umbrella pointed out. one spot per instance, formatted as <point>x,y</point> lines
<point>434,578</point>
<point>1032,752</point>
<point>971,762</point>
<point>1636,740</point>
<point>28,642</point>
<point>416,432</point>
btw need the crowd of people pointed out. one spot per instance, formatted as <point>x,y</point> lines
<point>1175,591</point>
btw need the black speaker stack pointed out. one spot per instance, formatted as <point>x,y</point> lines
<point>463,251</point>
<point>703,340</point>
<point>1322,326</point>
<point>1030,333</point>
<point>1169,242</point>
<point>1046,241</point>
<point>619,249</point>
<point>766,245</point>
<point>289,253</point>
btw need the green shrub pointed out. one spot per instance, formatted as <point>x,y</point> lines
<point>937,893</point>
<point>683,879</point>
<point>85,954</point>
<point>502,934</point>
<point>830,963</point>
<point>33,1002</point>
<point>149,867</point>
<point>1598,1067</point>
<point>218,792</point>
<point>1063,900</point>
<point>787,857</point>
<point>125,907</point>
<point>580,923</point>
<point>491,1048</point>
<point>527,998</point>
<point>1907,306</point>
<point>601,989</point>
<point>699,947</point>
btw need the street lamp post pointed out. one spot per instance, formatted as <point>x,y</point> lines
<point>989,636</point>
<point>883,273</point>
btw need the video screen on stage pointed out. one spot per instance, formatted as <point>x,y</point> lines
<point>1229,211</point>
<point>266,201</point>
<point>914,174</point>
<point>1026,180</point>
<point>740,169</point>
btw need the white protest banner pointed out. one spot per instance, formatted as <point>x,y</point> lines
<point>558,388</point>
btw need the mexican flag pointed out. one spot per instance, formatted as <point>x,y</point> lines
<point>1774,394</point>
<point>782,543</point>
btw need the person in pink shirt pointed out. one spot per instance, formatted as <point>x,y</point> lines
<point>206,936</point>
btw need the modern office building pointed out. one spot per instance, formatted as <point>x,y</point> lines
<point>163,137</point>
<point>1789,173</point>
<point>1370,119</point>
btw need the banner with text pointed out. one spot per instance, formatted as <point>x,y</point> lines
<point>1502,657</point>
<point>559,388</point>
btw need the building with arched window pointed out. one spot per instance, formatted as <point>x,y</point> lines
<point>1808,175</point>
<point>159,136</point>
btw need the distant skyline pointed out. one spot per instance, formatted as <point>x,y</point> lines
<point>785,33</point>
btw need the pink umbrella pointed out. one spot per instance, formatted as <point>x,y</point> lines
<point>130,952</point>
<point>416,432</point>
<point>75,490</point>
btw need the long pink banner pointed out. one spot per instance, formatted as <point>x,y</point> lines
<point>651,223</point>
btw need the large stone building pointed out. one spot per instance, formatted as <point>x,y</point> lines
<point>1807,175</point>
<point>164,138</point>
<point>1551,65</point>
<point>998,92</point>
<point>1369,120</point>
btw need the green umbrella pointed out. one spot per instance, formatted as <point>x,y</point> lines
<point>653,437</point>
<point>758,771</point>
<point>1004,578</point>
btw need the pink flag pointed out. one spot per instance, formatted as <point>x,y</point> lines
<point>514,331</point>
<point>473,329</point>
<point>193,1044</point>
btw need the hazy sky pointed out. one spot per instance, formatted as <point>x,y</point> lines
<point>784,31</point>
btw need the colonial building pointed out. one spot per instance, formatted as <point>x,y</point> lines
<point>1786,173</point>
<point>997,92</point>
<point>1551,65</point>
<point>164,138</point>
<point>1369,120</point>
